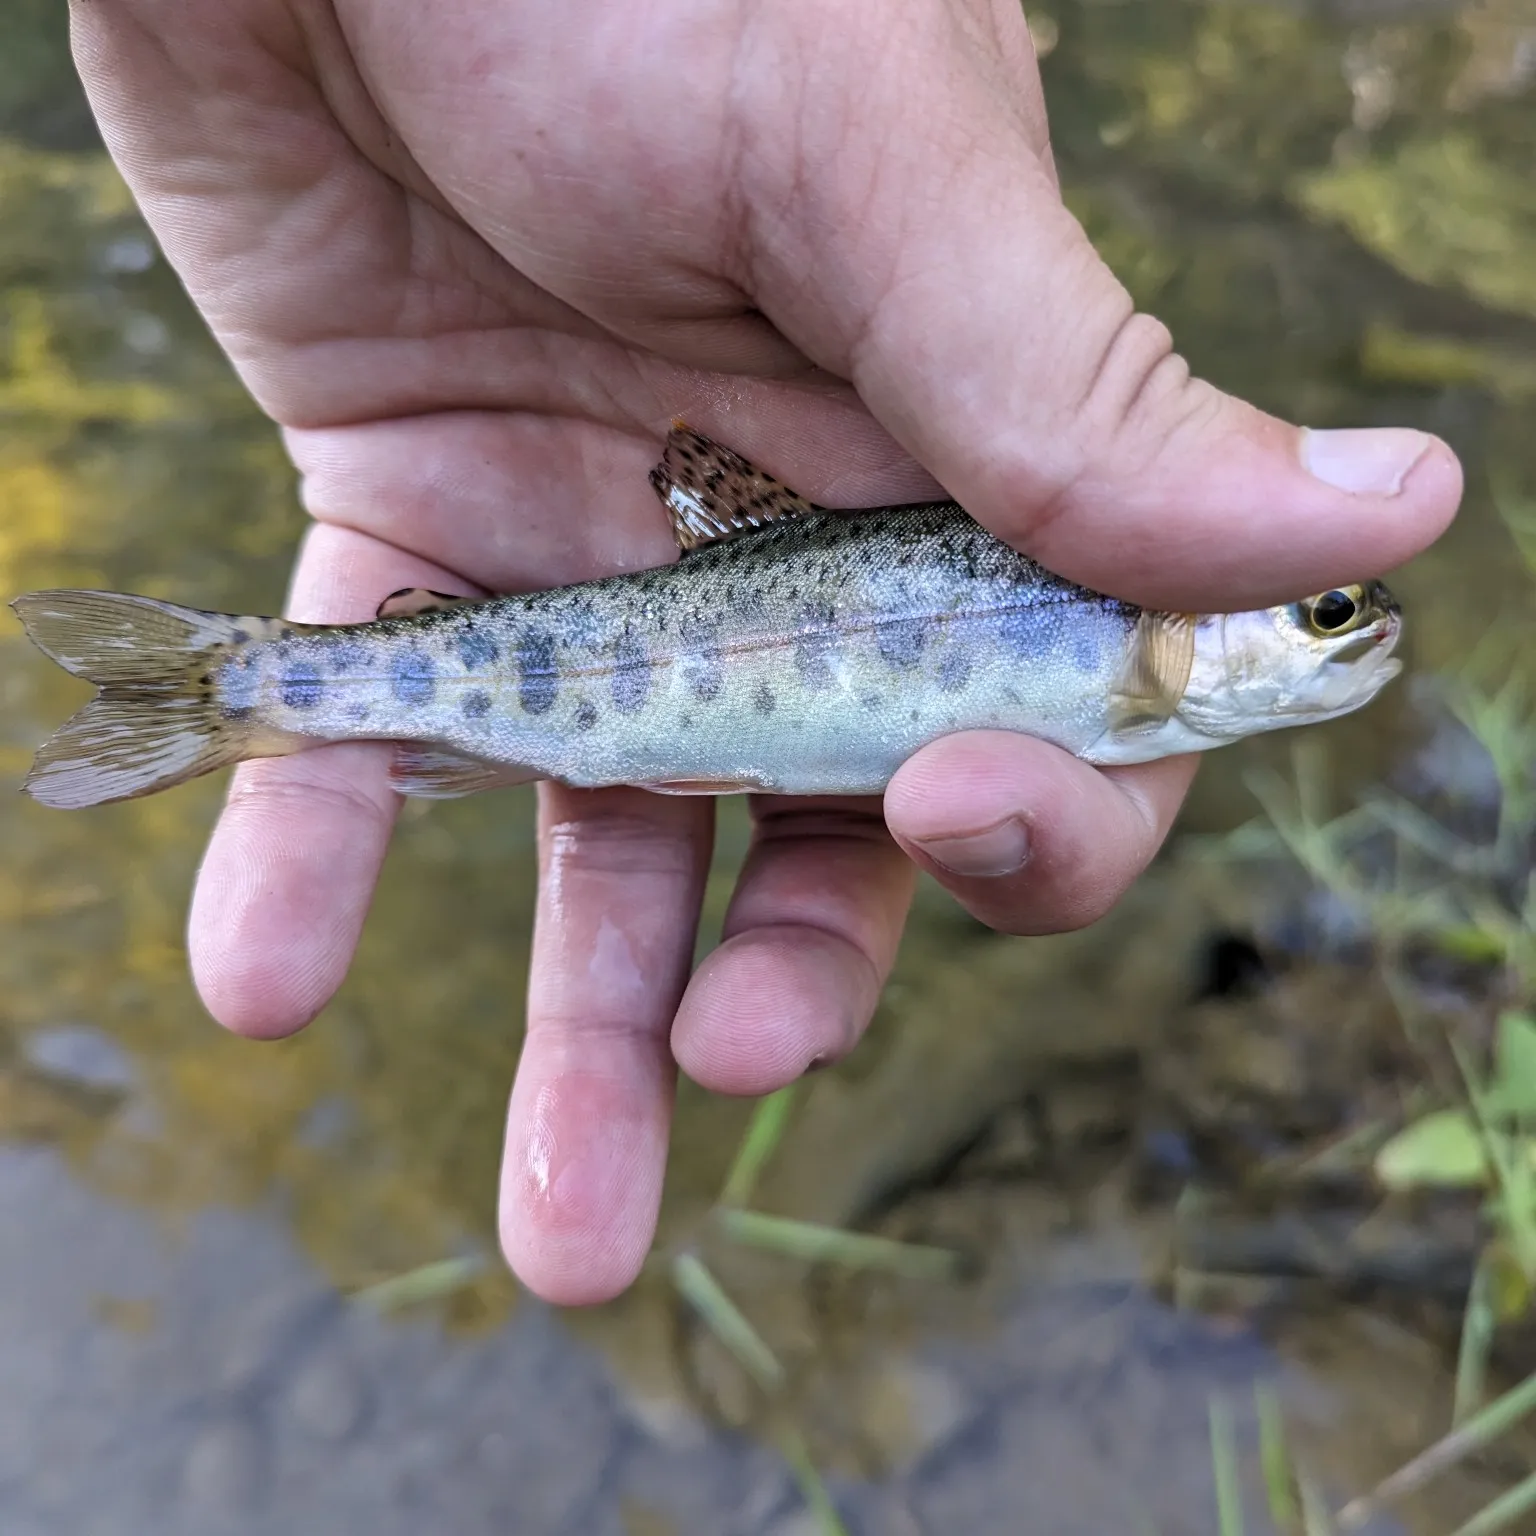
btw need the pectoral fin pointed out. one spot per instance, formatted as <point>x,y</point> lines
<point>1156,673</point>
<point>711,493</point>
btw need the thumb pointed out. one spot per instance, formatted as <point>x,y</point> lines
<point>920,248</point>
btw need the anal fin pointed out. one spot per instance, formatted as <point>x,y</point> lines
<point>706,787</point>
<point>711,493</point>
<point>440,773</point>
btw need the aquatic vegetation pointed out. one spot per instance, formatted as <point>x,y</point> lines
<point>1438,892</point>
<point>805,1241</point>
<point>732,1220</point>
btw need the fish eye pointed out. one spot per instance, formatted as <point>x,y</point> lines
<point>1336,612</point>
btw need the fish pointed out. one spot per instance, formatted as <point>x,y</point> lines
<point>787,649</point>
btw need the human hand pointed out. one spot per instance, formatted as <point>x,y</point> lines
<point>473,257</point>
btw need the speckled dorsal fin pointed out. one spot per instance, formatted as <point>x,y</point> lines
<point>711,493</point>
<point>440,773</point>
<point>1156,672</point>
<point>413,600</point>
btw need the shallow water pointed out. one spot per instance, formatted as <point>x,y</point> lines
<point>1332,206</point>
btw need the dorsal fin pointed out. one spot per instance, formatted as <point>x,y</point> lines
<point>711,493</point>
<point>413,600</point>
<point>1156,672</point>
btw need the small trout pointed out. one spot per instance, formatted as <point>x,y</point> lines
<point>789,649</point>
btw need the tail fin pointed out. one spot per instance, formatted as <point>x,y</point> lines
<point>156,721</point>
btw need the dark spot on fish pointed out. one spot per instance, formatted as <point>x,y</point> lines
<point>1025,631</point>
<point>631,683</point>
<point>347,656</point>
<point>302,686</point>
<point>763,700</point>
<point>241,636</point>
<point>705,678</point>
<point>477,702</point>
<point>359,711</point>
<point>586,716</point>
<point>812,660</point>
<point>685,722</point>
<point>581,624</point>
<point>285,633</point>
<point>238,686</point>
<point>413,678</point>
<point>901,641</point>
<point>954,671</point>
<point>815,644</point>
<point>537,679</point>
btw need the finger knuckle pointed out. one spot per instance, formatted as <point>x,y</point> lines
<point>1135,403</point>
<point>615,842</point>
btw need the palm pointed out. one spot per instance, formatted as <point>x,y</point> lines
<point>473,257</point>
<point>458,425</point>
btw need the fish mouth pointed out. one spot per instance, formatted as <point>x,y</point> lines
<point>1354,674</point>
<point>1358,671</point>
<point>1380,641</point>
<point>1358,649</point>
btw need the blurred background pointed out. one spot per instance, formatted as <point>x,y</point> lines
<point>1207,1219</point>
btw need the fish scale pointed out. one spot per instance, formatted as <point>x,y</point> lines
<point>788,649</point>
<point>704,672</point>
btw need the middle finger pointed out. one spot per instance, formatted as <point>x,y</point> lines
<point>809,938</point>
<point>621,878</point>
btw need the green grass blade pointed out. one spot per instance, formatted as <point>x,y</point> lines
<point>832,1245</point>
<point>1514,1176</point>
<point>765,1130</point>
<point>1518,513</point>
<point>429,1282</point>
<point>726,1321</point>
<point>1229,1498</point>
<point>1505,1510</point>
<point>813,1490</point>
<point>1419,830</point>
<point>1487,1424</point>
<point>1477,1327</point>
<point>1315,1518</point>
<point>1275,1459</point>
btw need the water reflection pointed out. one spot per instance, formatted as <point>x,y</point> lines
<point>1333,209</point>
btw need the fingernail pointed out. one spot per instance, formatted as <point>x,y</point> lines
<point>1366,461</point>
<point>994,851</point>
